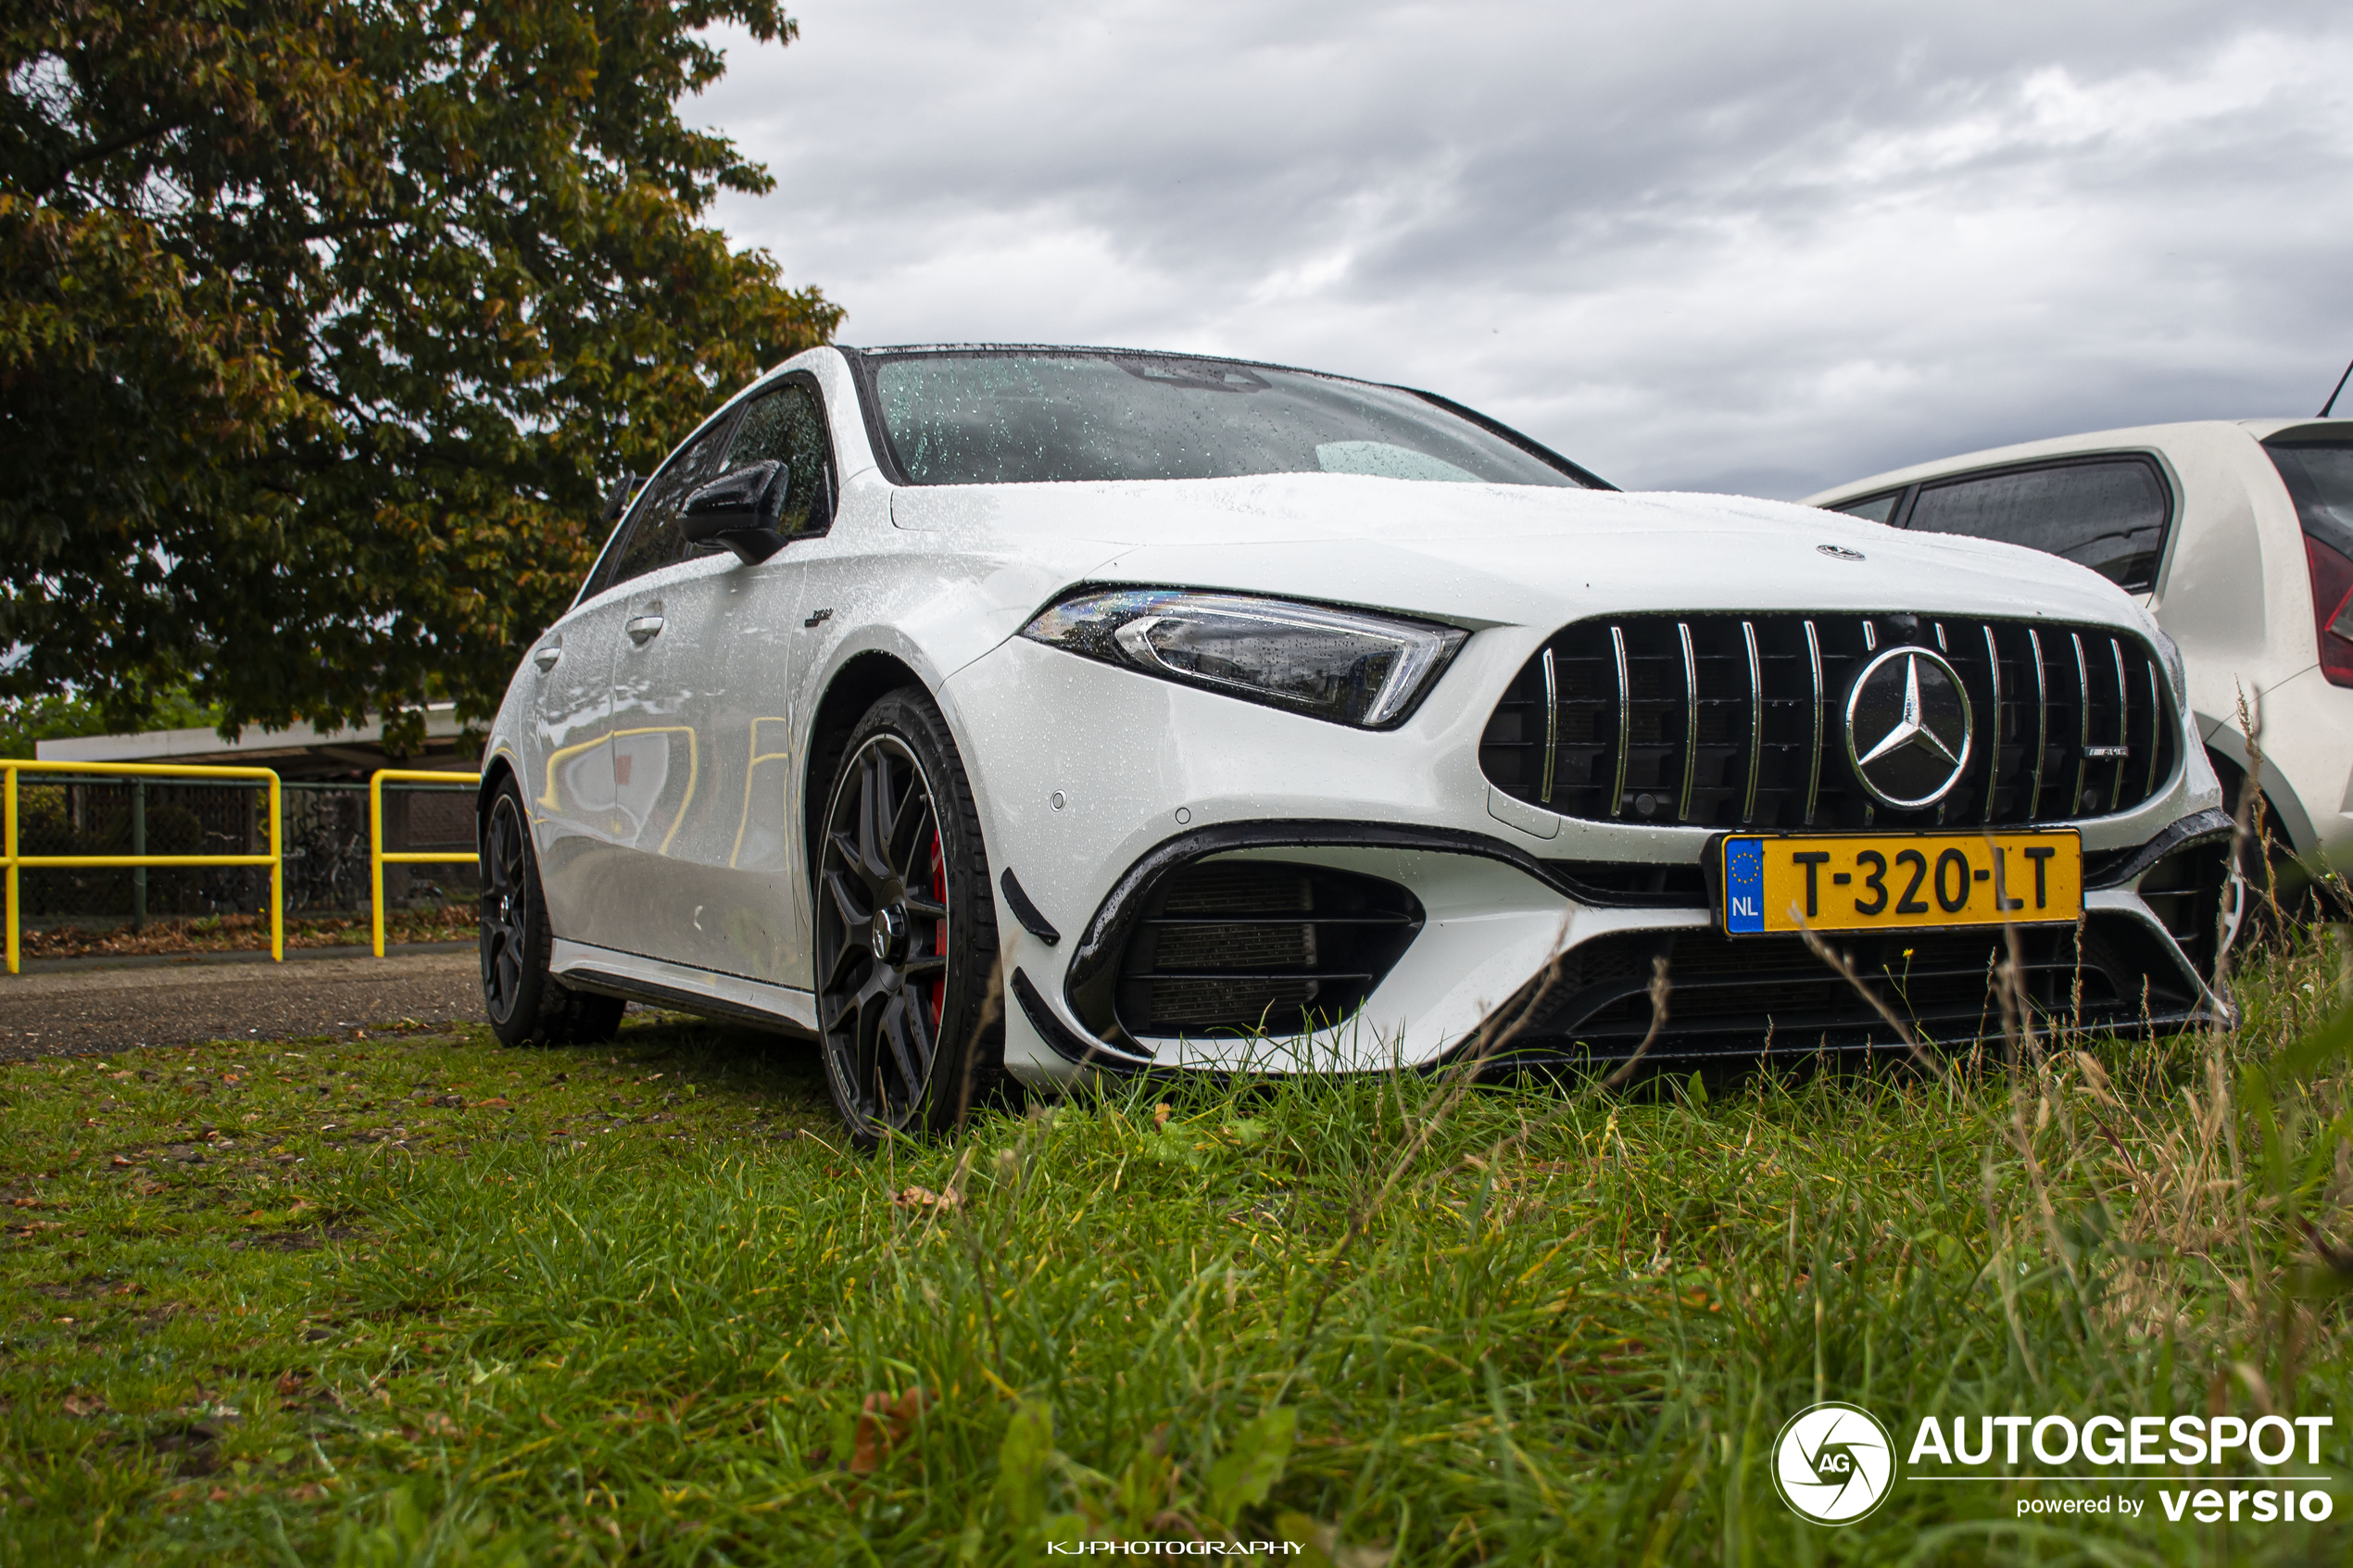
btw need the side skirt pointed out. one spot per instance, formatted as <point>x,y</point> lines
<point>729,997</point>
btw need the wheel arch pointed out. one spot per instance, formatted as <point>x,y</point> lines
<point>495,770</point>
<point>2226,749</point>
<point>862,679</point>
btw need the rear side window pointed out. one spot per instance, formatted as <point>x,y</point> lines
<point>2321,479</point>
<point>1872,508</point>
<point>2109,514</point>
<point>788,425</point>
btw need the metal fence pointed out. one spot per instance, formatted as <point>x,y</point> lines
<point>325,846</point>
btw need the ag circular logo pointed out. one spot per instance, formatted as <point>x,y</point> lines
<point>1832,1462</point>
<point>1907,728</point>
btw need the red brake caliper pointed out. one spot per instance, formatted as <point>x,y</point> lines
<point>938,930</point>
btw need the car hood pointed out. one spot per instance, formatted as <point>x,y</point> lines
<point>1487,554</point>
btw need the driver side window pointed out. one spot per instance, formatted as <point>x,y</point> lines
<point>654,539</point>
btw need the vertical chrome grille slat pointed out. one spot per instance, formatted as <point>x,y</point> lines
<point>2156,730</point>
<point>1994,740</point>
<point>1755,720</point>
<point>2082,722</point>
<point>1552,726</point>
<point>1625,721</point>
<point>2042,724</point>
<point>2124,727</point>
<point>1814,769</point>
<point>1691,719</point>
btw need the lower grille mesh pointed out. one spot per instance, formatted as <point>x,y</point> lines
<point>1739,995</point>
<point>1228,947</point>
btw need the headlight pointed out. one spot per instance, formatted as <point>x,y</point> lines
<point>1343,665</point>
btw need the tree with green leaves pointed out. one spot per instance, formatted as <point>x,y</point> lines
<point>323,326</point>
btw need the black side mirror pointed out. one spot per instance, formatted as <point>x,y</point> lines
<point>739,511</point>
<point>623,491</point>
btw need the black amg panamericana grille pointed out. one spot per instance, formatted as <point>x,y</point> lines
<point>1733,720</point>
<point>1245,946</point>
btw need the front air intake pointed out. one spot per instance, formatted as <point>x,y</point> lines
<point>1240,947</point>
<point>1732,721</point>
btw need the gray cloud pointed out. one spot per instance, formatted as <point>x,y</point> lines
<point>1715,247</point>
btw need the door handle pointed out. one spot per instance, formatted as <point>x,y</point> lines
<point>546,658</point>
<point>644,629</point>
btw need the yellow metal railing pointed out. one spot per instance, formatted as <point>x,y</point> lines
<point>274,859</point>
<point>378,858</point>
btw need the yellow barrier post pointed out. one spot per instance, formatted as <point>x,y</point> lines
<point>12,871</point>
<point>274,859</point>
<point>379,858</point>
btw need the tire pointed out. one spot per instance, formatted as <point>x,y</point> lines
<point>526,1004</point>
<point>905,929</point>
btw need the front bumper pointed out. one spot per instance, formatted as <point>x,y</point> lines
<point>1098,785</point>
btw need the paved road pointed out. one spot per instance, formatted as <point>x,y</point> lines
<point>70,1011</point>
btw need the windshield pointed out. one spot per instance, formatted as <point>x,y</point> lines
<point>1038,415</point>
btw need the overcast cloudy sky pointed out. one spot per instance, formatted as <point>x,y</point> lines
<point>1736,246</point>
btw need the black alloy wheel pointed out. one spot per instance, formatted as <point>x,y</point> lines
<point>905,929</point>
<point>525,1003</point>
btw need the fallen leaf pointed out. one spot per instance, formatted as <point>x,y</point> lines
<point>85,1404</point>
<point>495,1102</point>
<point>924,1198</point>
<point>1161,1113</point>
<point>884,1423</point>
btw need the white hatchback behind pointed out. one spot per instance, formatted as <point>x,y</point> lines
<point>2238,535</point>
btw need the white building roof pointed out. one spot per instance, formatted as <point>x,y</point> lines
<point>310,751</point>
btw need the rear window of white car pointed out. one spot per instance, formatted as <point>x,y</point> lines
<point>1018,416</point>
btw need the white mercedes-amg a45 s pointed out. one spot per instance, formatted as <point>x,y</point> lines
<point>981,710</point>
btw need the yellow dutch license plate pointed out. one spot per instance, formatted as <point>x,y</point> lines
<point>1898,882</point>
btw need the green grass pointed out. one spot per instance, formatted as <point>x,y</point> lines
<point>637,1303</point>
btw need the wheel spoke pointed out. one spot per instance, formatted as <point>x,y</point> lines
<point>845,963</point>
<point>907,834</point>
<point>832,1026</point>
<point>929,963</point>
<point>915,904</point>
<point>926,1048</point>
<point>845,849</point>
<point>873,805</point>
<point>845,901</point>
<point>869,1045</point>
<point>902,1051</point>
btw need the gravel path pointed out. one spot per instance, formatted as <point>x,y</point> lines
<point>80,1010</point>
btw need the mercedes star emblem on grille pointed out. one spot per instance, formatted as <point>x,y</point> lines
<point>1839,552</point>
<point>1907,728</point>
